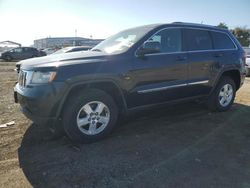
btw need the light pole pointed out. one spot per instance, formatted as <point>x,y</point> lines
<point>74,44</point>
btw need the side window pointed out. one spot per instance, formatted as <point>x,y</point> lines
<point>169,39</point>
<point>18,50</point>
<point>25,49</point>
<point>75,50</point>
<point>198,40</point>
<point>222,41</point>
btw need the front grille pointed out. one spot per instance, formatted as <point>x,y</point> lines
<point>18,67</point>
<point>22,78</point>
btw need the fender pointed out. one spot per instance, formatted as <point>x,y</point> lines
<point>72,86</point>
<point>223,70</point>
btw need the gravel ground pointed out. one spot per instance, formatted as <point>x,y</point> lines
<point>178,146</point>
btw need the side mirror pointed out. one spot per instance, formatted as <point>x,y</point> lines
<point>149,47</point>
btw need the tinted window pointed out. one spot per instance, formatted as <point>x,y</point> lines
<point>198,39</point>
<point>169,39</point>
<point>18,50</point>
<point>26,49</point>
<point>222,41</point>
<point>32,49</point>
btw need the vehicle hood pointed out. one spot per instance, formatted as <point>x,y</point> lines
<point>64,59</point>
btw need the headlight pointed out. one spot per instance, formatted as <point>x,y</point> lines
<point>42,77</point>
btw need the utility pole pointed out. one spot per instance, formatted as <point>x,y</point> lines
<point>75,37</point>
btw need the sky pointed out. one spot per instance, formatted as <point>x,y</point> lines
<point>23,21</point>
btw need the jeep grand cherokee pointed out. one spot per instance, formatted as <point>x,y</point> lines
<point>84,92</point>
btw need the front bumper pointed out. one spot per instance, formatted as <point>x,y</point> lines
<point>39,104</point>
<point>37,119</point>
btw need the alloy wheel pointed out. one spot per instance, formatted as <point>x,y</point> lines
<point>226,95</point>
<point>93,118</point>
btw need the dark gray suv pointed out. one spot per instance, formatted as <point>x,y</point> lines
<point>83,93</point>
<point>21,53</point>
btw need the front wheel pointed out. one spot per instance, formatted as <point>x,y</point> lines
<point>89,116</point>
<point>223,95</point>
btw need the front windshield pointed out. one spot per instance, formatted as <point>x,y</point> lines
<point>122,41</point>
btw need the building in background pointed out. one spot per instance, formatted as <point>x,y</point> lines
<point>60,42</point>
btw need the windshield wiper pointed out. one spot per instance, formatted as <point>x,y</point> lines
<point>96,50</point>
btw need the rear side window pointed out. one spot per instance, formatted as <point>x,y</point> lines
<point>169,39</point>
<point>222,41</point>
<point>198,40</point>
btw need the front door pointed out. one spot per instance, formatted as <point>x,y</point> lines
<point>161,76</point>
<point>16,53</point>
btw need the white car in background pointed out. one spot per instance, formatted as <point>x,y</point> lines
<point>49,51</point>
<point>247,50</point>
<point>73,49</point>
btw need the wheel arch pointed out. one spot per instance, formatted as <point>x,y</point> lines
<point>109,86</point>
<point>232,73</point>
<point>235,75</point>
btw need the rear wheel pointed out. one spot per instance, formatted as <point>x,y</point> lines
<point>223,96</point>
<point>89,116</point>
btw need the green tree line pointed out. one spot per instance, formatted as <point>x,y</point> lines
<point>241,33</point>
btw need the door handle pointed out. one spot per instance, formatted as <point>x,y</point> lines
<point>181,58</point>
<point>218,55</point>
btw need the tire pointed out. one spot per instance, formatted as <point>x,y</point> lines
<point>224,91</point>
<point>81,108</point>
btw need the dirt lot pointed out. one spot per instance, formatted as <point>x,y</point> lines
<point>181,146</point>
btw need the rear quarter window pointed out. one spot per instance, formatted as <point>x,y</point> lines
<point>222,41</point>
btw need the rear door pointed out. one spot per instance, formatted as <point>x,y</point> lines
<point>201,60</point>
<point>224,49</point>
<point>26,53</point>
<point>160,77</point>
<point>29,53</point>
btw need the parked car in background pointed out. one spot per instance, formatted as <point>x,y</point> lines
<point>72,49</point>
<point>21,53</point>
<point>247,50</point>
<point>142,67</point>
